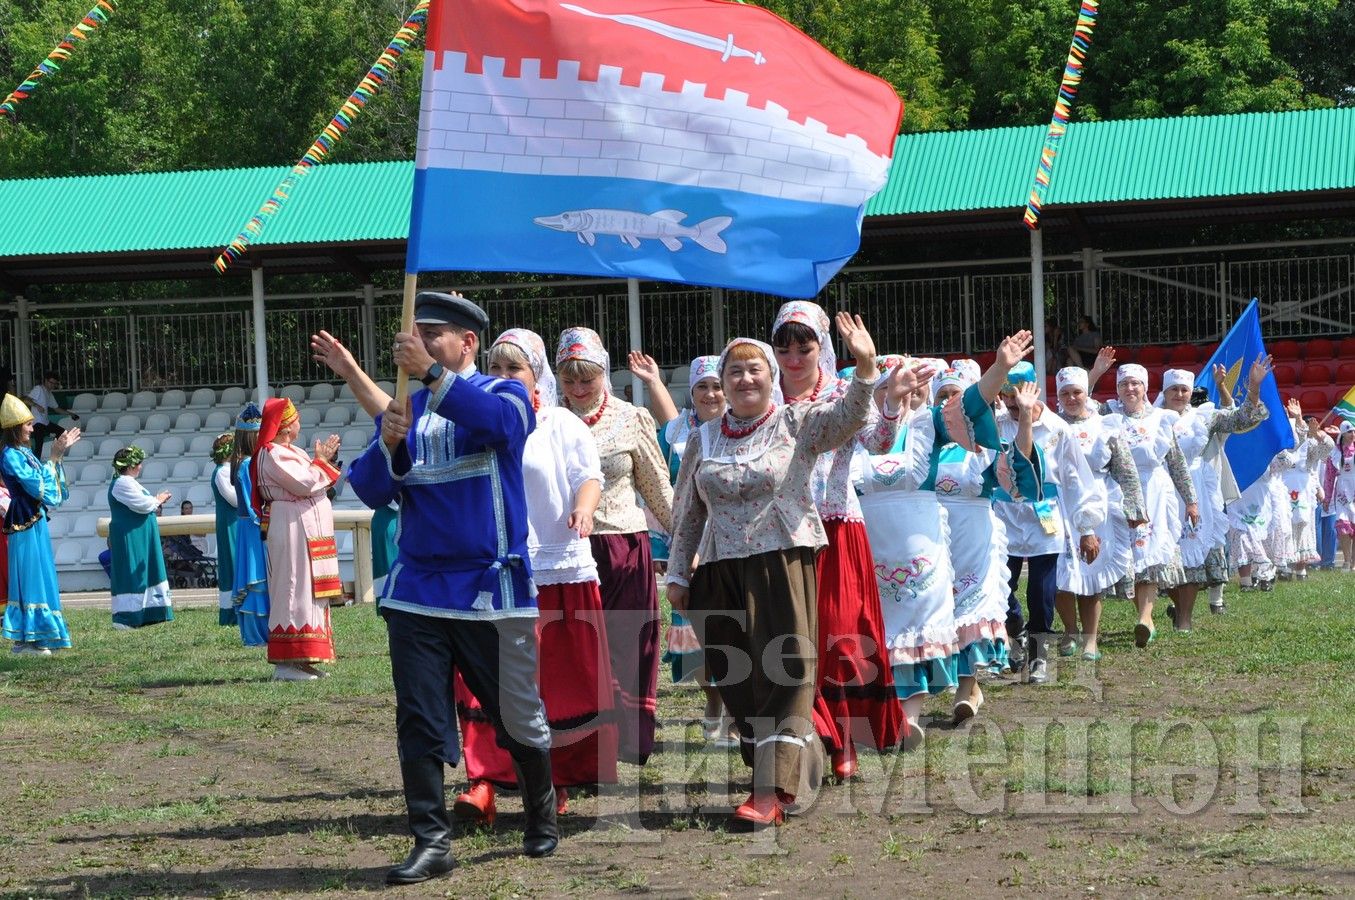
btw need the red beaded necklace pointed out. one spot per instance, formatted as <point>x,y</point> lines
<point>814,394</point>
<point>730,432</point>
<point>596,417</point>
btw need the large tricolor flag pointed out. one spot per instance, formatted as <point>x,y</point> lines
<point>1250,452</point>
<point>693,141</point>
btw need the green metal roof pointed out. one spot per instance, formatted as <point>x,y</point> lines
<point>339,203</point>
<point>935,172</point>
<point>1134,159</point>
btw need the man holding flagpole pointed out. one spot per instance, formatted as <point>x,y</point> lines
<point>459,597</point>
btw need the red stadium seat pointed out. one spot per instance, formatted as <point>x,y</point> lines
<point>1285,351</point>
<point>1152,355</point>
<point>1183,356</point>
<point>1315,374</point>
<point>1314,402</point>
<point>1346,349</point>
<point>985,359</point>
<point>1345,375</point>
<point>1320,348</point>
<point>1286,375</point>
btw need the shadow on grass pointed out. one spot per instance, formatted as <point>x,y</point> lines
<point>161,683</point>
<point>214,884</point>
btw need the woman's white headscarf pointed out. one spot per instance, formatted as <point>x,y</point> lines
<point>812,316</point>
<point>1174,378</point>
<point>702,367</point>
<point>777,396</point>
<point>534,348</point>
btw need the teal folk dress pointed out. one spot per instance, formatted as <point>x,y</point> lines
<point>33,614</point>
<point>224,495</point>
<point>140,584</point>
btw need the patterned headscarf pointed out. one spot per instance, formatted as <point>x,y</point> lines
<point>702,367</point>
<point>250,418</point>
<point>1131,370</point>
<point>886,363</point>
<point>531,344</point>
<point>128,458</point>
<point>777,396</point>
<point>585,344</point>
<point>222,447</point>
<point>1071,375</point>
<point>969,370</point>
<point>812,316</point>
<point>948,377</point>
<point>278,413</point>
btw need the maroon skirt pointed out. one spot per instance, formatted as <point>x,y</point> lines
<point>575,677</point>
<point>855,695</point>
<point>630,609</point>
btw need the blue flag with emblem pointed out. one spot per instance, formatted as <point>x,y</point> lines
<point>1250,452</point>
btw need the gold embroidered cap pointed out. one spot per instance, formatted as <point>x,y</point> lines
<point>14,411</point>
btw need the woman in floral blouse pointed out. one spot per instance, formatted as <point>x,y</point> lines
<point>631,463</point>
<point>745,503</point>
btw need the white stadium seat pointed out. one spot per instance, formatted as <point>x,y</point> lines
<point>209,469</point>
<point>202,398</point>
<point>234,397</point>
<point>113,402</point>
<point>310,417</point>
<point>93,473</point>
<point>344,542</point>
<point>171,447</point>
<point>78,500</point>
<point>187,423</point>
<point>127,424</point>
<point>108,446</point>
<point>387,386</point>
<point>142,400</point>
<point>153,472</point>
<point>337,416</point>
<point>84,403</point>
<point>59,526</point>
<point>295,393</point>
<point>80,451</point>
<point>92,548</point>
<point>200,495</point>
<point>346,393</point>
<point>157,423</point>
<point>201,444</point>
<point>680,375</point>
<point>185,471</point>
<point>69,553</point>
<point>84,526</point>
<point>96,426</point>
<point>218,420</point>
<point>173,400</point>
<point>322,393</point>
<point>146,443</point>
<point>355,438</point>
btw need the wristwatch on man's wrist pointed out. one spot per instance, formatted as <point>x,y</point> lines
<point>433,374</point>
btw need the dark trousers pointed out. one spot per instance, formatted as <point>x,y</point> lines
<point>497,661</point>
<point>1040,588</point>
<point>40,435</point>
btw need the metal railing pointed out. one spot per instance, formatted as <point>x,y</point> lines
<point>942,309</point>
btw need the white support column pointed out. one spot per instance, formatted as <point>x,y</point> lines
<point>369,327</point>
<point>1037,305</point>
<point>636,337</point>
<point>260,337</point>
<point>967,305</point>
<point>717,319</point>
<point>23,347</point>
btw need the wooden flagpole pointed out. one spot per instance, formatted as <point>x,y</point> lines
<point>406,327</point>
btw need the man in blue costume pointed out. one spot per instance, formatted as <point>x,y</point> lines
<point>459,596</point>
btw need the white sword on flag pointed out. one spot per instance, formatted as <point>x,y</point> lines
<point>724,46</point>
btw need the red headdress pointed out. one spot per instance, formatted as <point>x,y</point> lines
<point>277,414</point>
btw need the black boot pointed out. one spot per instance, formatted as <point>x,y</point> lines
<point>540,834</point>
<point>428,822</point>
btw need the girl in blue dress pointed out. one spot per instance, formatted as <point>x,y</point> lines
<point>251,558</point>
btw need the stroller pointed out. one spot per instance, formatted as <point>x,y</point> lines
<point>186,565</point>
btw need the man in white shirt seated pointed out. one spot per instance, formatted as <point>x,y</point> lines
<point>43,403</point>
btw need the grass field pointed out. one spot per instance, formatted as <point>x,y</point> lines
<point>164,762</point>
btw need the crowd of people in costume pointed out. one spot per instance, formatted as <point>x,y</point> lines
<point>837,545</point>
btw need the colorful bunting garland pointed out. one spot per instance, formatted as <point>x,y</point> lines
<point>367,88</point>
<point>1058,125</point>
<point>92,20</point>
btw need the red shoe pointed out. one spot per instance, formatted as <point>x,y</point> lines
<point>477,804</point>
<point>759,810</point>
<point>561,801</point>
<point>844,761</point>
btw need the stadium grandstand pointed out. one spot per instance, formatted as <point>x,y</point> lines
<point>154,350</point>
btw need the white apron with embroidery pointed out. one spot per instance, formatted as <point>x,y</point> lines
<point>1116,557</point>
<point>1148,439</point>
